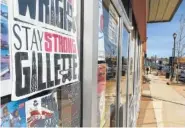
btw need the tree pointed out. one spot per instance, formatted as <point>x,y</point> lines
<point>180,42</point>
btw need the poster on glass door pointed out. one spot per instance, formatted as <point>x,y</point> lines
<point>13,114</point>
<point>44,46</point>
<point>42,111</point>
<point>4,54</point>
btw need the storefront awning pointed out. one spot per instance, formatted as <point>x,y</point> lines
<point>161,10</point>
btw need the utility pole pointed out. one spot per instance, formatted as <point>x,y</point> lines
<point>155,62</point>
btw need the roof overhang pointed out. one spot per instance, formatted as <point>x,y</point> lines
<point>161,10</point>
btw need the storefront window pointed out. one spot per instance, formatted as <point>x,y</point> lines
<point>110,30</point>
<point>136,66</point>
<point>139,59</point>
<point>124,69</point>
<point>69,100</point>
<point>131,66</point>
<point>69,96</point>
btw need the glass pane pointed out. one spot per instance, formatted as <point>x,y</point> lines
<point>139,60</point>
<point>69,96</point>
<point>136,65</point>
<point>69,100</point>
<point>131,66</point>
<point>110,31</point>
<point>125,42</point>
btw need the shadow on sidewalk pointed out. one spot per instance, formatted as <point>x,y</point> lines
<point>146,116</point>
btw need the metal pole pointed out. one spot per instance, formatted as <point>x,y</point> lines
<point>155,62</point>
<point>172,65</point>
<point>173,60</point>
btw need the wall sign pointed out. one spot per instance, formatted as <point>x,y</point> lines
<point>44,46</point>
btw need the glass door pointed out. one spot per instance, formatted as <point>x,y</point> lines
<point>113,92</point>
<point>124,71</point>
<point>111,37</point>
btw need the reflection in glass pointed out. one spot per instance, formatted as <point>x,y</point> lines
<point>111,53</point>
<point>136,67</point>
<point>131,68</point>
<point>69,96</point>
<point>125,42</point>
<point>69,105</point>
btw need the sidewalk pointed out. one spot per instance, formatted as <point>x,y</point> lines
<point>168,105</point>
<point>146,114</point>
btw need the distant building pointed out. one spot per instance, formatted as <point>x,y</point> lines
<point>181,60</point>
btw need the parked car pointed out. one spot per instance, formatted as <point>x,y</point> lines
<point>182,76</point>
<point>111,72</point>
<point>124,69</point>
<point>166,68</point>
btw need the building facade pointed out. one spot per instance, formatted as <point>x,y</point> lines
<point>72,63</point>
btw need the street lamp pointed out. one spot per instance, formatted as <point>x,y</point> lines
<point>174,37</point>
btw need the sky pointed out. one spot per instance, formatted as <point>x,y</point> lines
<point>160,35</point>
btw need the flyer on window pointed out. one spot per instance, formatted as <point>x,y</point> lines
<point>13,114</point>
<point>5,57</point>
<point>42,111</point>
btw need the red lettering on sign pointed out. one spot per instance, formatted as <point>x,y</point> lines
<point>61,43</point>
<point>48,42</point>
<point>55,36</point>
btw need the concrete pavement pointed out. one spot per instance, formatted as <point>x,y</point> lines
<point>179,88</point>
<point>161,90</point>
<point>146,114</point>
<point>169,106</point>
